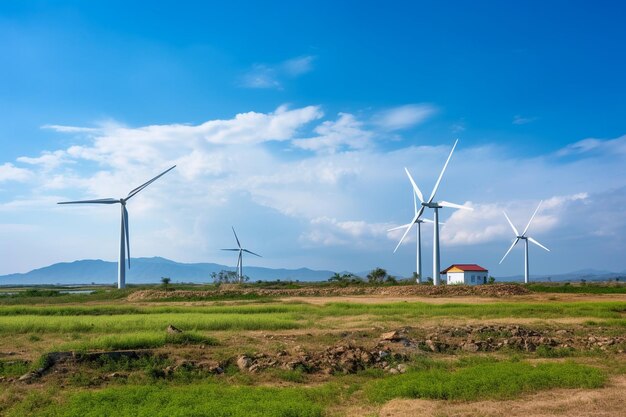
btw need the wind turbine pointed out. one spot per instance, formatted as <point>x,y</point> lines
<point>416,220</point>
<point>124,238</point>
<point>240,256</point>
<point>435,206</point>
<point>525,238</point>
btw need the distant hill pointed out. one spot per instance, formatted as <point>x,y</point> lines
<point>149,270</point>
<point>574,276</point>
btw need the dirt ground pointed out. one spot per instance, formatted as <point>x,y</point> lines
<point>380,299</point>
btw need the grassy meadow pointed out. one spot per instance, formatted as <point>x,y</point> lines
<point>171,377</point>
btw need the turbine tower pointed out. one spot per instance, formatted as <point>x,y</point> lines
<point>435,205</point>
<point>525,238</point>
<point>416,220</point>
<point>124,236</point>
<point>240,256</point>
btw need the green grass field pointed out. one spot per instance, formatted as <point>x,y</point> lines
<point>221,330</point>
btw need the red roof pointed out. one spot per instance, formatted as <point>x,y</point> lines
<point>465,267</point>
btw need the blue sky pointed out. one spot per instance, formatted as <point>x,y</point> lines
<point>293,122</point>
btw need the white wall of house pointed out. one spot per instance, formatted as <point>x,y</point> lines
<point>467,277</point>
<point>456,278</point>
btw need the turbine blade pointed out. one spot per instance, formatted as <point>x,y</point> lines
<point>531,219</point>
<point>453,205</point>
<point>145,184</point>
<point>236,238</point>
<point>249,251</point>
<point>507,252</point>
<point>126,232</point>
<point>231,249</point>
<point>414,202</point>
<point>537,243</point>
<point>416,189</point>
<point>98,201</point>
<point>406,232</point>
<point>432,196</point>
<point>425,220</point>
<point>400,227</point>
<point>511,223</point>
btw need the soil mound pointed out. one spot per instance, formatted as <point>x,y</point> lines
<point>496,290</point>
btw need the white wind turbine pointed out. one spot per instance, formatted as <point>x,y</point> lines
<point>435,206</point>
<point>124,237</point>
<point>240,256</point>
<point>416,220</point>
<point>525,238</point>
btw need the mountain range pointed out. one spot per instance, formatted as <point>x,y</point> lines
<point>151,270</point>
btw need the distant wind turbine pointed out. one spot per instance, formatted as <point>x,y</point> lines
<point>416,220</point>
<point>124,236</point>
<point>435,206</point>
<point>525,238</point>
<point>240,256</point>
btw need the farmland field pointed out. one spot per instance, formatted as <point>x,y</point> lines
<point>536,352</point>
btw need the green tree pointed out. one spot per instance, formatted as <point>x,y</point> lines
<point>227,277</point>
<point>377,276</point>
<point>391,280</point>
<point>336,277</point>
<point>491,280</point>
<point>165,281</point>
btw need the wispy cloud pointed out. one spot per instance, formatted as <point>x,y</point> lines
<point>592,145</point>
<point>521,120</point>
<point>274,76</point>
<point>403,117</point>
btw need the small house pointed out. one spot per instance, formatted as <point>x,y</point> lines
<point>468,274</point>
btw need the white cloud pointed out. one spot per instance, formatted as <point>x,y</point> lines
<point>326,231</point>
<point>403,117</point>
<point>346,133</point>
<point>47,160</point>
<point>608,147</point>
<point>343,196</point>
<point>274,76</point>
<point>69,129</point>
<point>9,172</point>
<point>487,223</point>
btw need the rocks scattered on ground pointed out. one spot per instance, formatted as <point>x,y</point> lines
<point>495,290</point>
<point>171,329</point>
<point>356,351</point>
<point>393,336</point>
<point>341,358</point>
<point>495,337</point>
<point>52,359</point>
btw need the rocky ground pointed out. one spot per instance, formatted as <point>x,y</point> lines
<point>389,351</point>
<point>495,290</point>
